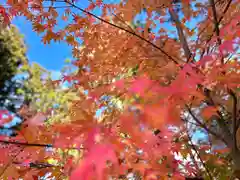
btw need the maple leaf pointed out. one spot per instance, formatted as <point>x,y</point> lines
<point>93,164</point>
<point>37,120</point>
<point>205,59</point>
<point>71,40</point>
<point>119,83</point>
<point>5,15</point>
<point>140,85</point>
<point>209,111</point>
<point>48,37</point>
<point>51,23</point>
<point>69,79</point>
<point>155,115</point>
<point>226,46</point>
<point>39,28</point>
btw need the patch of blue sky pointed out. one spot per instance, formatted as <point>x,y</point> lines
<point>199,136</point>
<point>50,56</point>
<point>100,111</point>
<point>16,120</point>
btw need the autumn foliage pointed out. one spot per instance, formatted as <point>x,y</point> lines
<point>160,82</point>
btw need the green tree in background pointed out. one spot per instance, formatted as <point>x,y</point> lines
<point>42,95</point>
<point>12,57</point>
<point>28,84</point>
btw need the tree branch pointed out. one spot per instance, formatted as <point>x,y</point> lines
<point>204,126</point>
<point>32,144</point>
<point>215,20</point>
<point>37,165</point>
<point>199,157</point>
<point>235,123</point>
<point>219,21</point>
<point>181,35</point>
<point>39,7</point>
<point>121,28</point>
<point>227,136</point>
<point>216,25</point>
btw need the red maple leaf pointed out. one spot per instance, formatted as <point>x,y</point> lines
<point>37,120</point>
<point>141,85</point>
<point>5,15</point>
<point>226,46</point>
<point>95,162</point>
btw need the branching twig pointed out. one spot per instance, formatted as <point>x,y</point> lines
<point>123,22</point>
<point>204,126</point>
<point>215,20</point>
<point>121,28</point>
<point>33,144</point>
<point>199,157</point>
<point>219,21</point>
<point>38,165</point>
<point>39,7</point>
<point>216,25</point>
<point>220,119</point>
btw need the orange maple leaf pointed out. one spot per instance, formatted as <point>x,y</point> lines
<point>208,112</point>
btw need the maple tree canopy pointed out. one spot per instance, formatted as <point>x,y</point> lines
<point>161,70</point>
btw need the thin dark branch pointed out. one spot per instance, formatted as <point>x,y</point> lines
<point>25,143</point>
<point>204,126</point>
<point>123,22</point>
<point>198,38</point>
<point>215,20</point>
<point>219,21</point>
<point>121,28</point>
<point>227,136</point>
<point>38,165</point>
<point>190,150</point>
<point>32,144</point>
<point>199,157</point>
<point>216,25</point>
<point>229,58</point>
<point>39,7</point>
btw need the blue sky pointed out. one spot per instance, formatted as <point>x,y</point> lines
<point>50,56</point>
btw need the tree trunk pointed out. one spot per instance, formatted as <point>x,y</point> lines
<point>236,163</point>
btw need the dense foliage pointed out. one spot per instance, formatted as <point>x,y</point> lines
<point>12,56</point>
<point>158,81</point>
<point>42,95</point>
